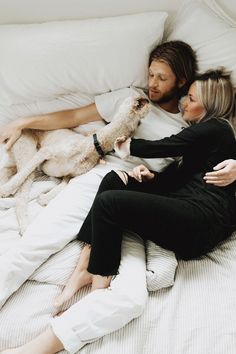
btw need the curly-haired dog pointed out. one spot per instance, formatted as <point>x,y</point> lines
<point>64,153</point>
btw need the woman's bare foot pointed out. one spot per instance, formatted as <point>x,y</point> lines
<point>80,277</point>
<point>76,282</point>
<point>101,282</point>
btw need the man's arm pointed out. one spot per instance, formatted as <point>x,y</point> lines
<point>58,120</point>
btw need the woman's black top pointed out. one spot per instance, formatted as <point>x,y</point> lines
<point>202,146</point>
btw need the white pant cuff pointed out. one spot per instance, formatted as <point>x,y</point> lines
<point>69,339</point>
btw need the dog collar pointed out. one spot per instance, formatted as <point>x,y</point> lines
<point>97,145</point>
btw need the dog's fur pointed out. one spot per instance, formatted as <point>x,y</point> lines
<point>64,153</point>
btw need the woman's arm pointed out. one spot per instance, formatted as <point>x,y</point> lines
<point>198,136</point>
<point>175,145</point>
<point>58,120</point>
<point>224,174</point>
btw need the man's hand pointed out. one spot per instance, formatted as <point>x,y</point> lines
<point>10,133</point>
<point>224,174</point>
<point>141,173</point>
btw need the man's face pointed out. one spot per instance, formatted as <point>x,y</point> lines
<point>162,83</point>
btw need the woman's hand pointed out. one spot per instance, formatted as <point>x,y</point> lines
<point>122,146</point>
<point>224,174</point>
<point>141,173</point>
<point>10,133</point>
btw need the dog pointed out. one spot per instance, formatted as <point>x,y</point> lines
<point>65,154</point>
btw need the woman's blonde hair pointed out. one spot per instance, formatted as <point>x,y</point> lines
<point>216,93</point>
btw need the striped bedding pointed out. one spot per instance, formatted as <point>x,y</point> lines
<point>195,315</point>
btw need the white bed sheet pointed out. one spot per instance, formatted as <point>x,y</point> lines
<point>197,315</point>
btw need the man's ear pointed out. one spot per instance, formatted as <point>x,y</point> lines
<point>181,82</point>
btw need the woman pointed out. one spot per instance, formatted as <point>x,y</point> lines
<point>176,208</point>
<point>224,173</point>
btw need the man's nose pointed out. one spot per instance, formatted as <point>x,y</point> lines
<point>154,82</point>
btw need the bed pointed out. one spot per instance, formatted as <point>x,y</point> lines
<point>194,312</point>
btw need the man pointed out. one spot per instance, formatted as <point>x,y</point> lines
<point>172,67</point>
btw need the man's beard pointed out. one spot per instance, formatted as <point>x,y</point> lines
<point>168,96</point>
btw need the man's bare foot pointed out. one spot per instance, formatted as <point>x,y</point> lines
<point>101,282</point>
<point>80,277</point>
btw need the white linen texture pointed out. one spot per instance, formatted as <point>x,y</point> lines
<point>210,33</point>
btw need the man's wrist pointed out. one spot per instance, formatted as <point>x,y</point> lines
<point>24,123</point>
<point>20,123</point>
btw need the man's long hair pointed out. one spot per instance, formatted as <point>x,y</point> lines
<point>182,60</point>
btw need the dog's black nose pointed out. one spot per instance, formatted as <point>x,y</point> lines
<point>142,101</point>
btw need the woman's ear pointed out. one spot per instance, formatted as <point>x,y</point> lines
<point>181,82</point>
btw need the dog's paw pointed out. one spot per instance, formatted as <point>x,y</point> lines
<point>4,193</point>
<point>43,199</point>
<point>7,191</point>
<point>22,229</point>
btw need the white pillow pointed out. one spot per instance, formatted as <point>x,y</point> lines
<point>44,61</point>
<point>161,267</point>
<point>61,103</point>
<point>209,33</point>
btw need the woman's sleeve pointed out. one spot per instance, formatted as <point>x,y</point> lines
<point>175,145</point>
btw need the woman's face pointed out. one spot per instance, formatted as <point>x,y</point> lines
<point>193,110</point>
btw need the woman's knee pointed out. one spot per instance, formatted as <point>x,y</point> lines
<point>112,180</point>
<point>123,176</point>
<point>104,201</point>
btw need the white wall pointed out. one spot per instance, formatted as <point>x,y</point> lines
<point>28,11</point>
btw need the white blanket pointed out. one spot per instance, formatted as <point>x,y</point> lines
<point>9,228</point>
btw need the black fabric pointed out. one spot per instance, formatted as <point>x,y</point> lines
<point>169,222</point>
<point>177,209</point>
<point>202,146</point>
